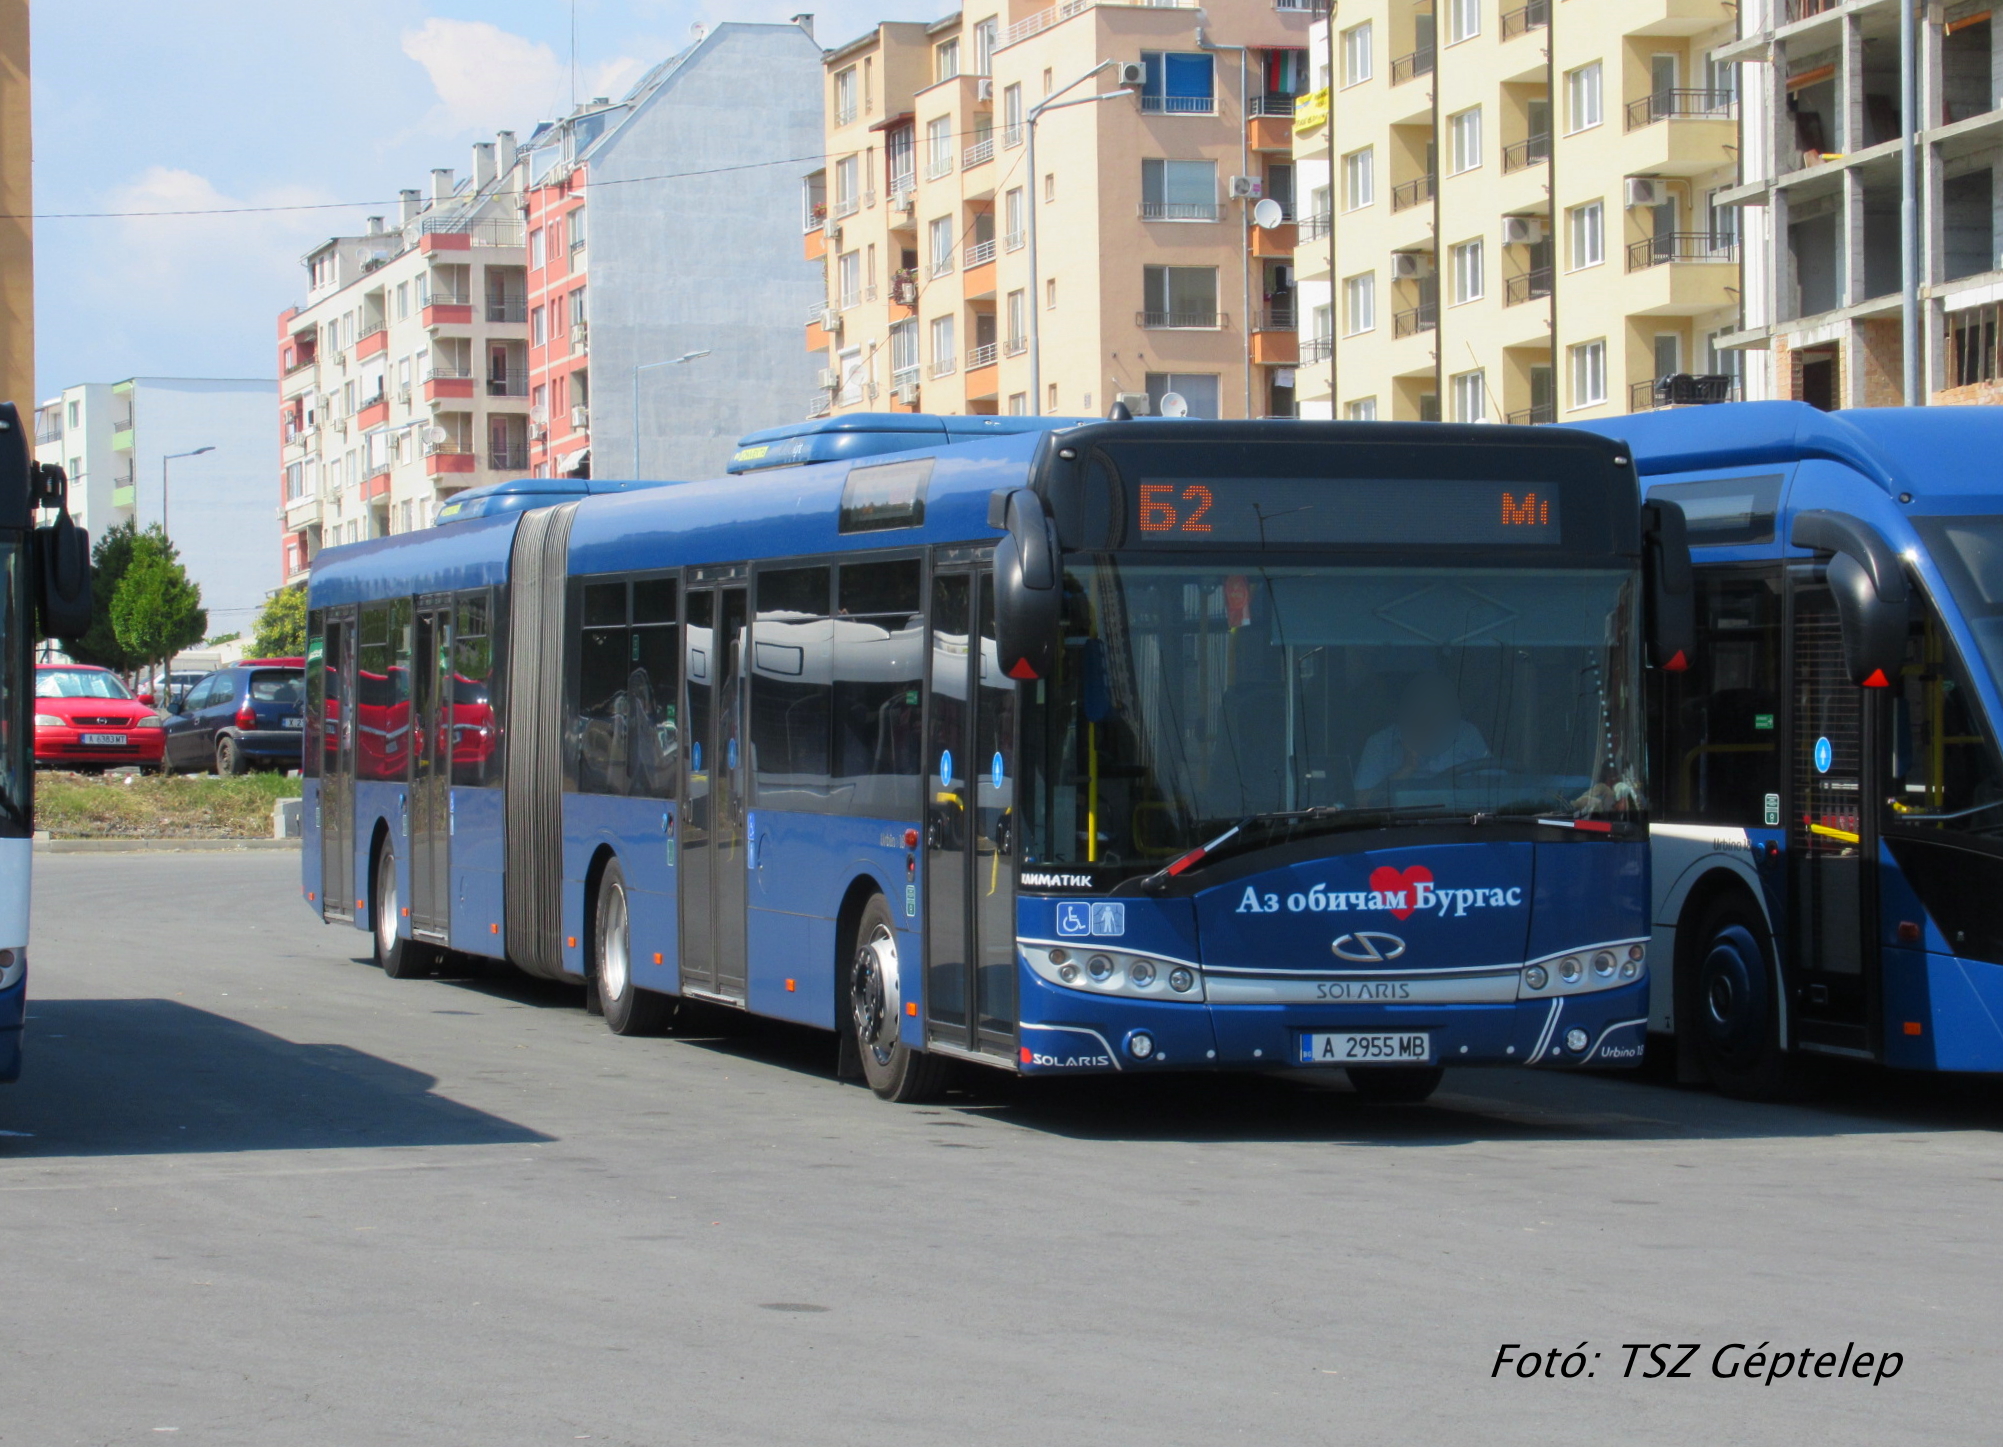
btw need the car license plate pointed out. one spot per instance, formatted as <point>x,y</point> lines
<point>1354,1047</point>
<point>116,740</point>
<point>294,722</point>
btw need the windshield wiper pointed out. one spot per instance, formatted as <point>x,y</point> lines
<point>1321,819</point>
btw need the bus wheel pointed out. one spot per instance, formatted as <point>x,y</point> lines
<point>894,1070</point>
<point>1733,1008</point>
<point>1395,1084</point>
<point>628,1009</point>
<point>400,958</point>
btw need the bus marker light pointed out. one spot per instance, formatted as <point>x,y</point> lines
<point>1027,1055</point>
<point>1909,932</point>
<point>570,942</point>
<point>1536,977</point>
<point>493,929</point>
<point>310,895</point>
<point>910,838</point>
<point>1180,980</point>
<point>1569,967</point>
<point>1140,1045</point>
<point>911,1008</point>
<point>1022,670</point>
<point>657,957</point>
<point>789,983</point>
<point>1575,1039</point>
<point>405,911</point>
<point>1912,1027</point>
<point>360,905</point>
<point>1603,964</point>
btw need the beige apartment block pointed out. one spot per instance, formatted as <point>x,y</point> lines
<point>1822,137</point>
<point>404,378</point>
<point>1516,211</point>
<point>1150,276</point>
<point>17,206</point>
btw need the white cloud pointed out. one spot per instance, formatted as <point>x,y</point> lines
<point>489,79</point>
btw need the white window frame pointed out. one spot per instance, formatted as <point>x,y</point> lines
<point>1360,409</point>
<point>1468,264</point>
<point>1464,131</point>
<point>1468,393</point>
<point>1585,98</point>
<point>1463,20</point>
<point>1358,55</point>
<point>1586,235</point>
<point>1359,303</point>
<point>1359,179</point>
<point>845,95</point>
<point>1587,371</point>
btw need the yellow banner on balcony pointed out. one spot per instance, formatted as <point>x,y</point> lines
<point>1310,112</point>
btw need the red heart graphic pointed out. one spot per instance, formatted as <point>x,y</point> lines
<point>1386,880</point>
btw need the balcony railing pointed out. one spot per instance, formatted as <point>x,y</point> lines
<point>1528,152</point>
<point>448,374</point>
<point>1195,321</point>
<point>1526,18</point>
<point>816,214</point>
<point>369,329</point>
<point>1408,194</point>
<point>507,311</point>
<point>942,366</point>
<point>439,297</point>
<point>486,231</point>
<point>1317,349</point>
<point>1315,226</point>
<point>846,206</point>
<point>1802,9</point>
<point>938,166</point>
<point>1180,105</point>
<point>1676,105</point>
<point>508,384</point>
<point>1278,317</point>
<point>1011,136</point>
<point>1534,283</point>
<point>1015,346</point>
<point>1682,389</point>
<point>300,363</point>
<point>1413,320</point>
<point>819,405</point>
<point>1542,414</point>
<point>979,153</point>
<point>1270,105</point>
<point>508,459</point>
<point>1671,246</point>
<point>1182,211</point>
<point>845,113</point>
<point>1410,67</point>
<point>1014,240</point>
<point>942,266</point>
<point>983,356</point>
<point>979,254</point>
<point>1312,7</point>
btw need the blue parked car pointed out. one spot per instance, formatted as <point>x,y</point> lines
<point>238,718</point>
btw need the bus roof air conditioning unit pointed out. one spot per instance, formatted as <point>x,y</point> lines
<point>1522,230</point>
<point>1246,188</point>
<point>1643,191</point>
<point>1132,72</point>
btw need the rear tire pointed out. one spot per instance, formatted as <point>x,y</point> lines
<point>230,761</point>
<point>628,1009</point>
<point>1732,1007</point>
<point>1395,1084</point>
<point>894,1070</point>
<point>400,958</point>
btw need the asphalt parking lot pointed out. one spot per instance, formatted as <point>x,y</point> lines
<point>254,1192</point>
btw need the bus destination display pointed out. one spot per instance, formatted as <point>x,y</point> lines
<point>1293,511</point>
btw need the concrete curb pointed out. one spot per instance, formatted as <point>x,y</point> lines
<point>157,846</point>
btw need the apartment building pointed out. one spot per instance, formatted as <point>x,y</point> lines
<point>626,202</point>
<point>1125,263</point>
<point>1518,211</point>
<point>17,210</point>
<point>404,377</point>
<point>190,453</point>
<point>1822,138</point>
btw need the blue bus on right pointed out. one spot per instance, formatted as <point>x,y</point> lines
<point>1825,779</point>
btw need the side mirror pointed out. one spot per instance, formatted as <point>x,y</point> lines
<point>1869,585</point>
<point>147,699</point>
<point>177,705</point>
<point>1672,600</point>
<point>1028,584</point>
<point>61,558</point>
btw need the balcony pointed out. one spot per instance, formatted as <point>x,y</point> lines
<point>1042,20</point>
<point>443,458</point>
<point>511,383</point>
<point>1522,155</point>
<point>1179,105</point>
<point>457,233</point>
<point>1677,105</point>
<point>447,382</point>
<point>373,340</point>
<point>512,309</point>
<point>1182,321</point>
<point>1316,225</point>
<point>816,214</point>
<point>1414,192</point>
<point>1674,246</point>
<point>1803,9</point>
<point>443,311</point>
<point>373,412</point>
<point>508,459</point>
<point>126,496</point>
<point>1182,211</point>
<point>1411,67</point>
<point>1682,390</point>
<point>1278,317</point>
<point>1270,105</point>
<point>1526,18</point>
<point>1317,349</point>
<point>1531,285</point>
<point>978,154</point>
<point>979,254</point>
<point>1541,414</point>
<point>1414,320</point>
<point>978,357</point>
<point>301,361</point>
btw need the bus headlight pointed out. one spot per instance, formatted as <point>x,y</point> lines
<point>1180,980</point>
<point>1100,968</point>
<point>1569,968</point>
<point>1603,964</point>
<point>1536,977</point>
<point>1142,972</point>
<point>1067,973</point>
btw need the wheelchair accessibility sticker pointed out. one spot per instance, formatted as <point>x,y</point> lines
<point>1077,918</point>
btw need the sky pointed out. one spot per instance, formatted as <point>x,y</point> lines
<point>162,105</point>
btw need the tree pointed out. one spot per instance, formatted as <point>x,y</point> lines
<point>281,625</point>
<point>108,562</point>
<point>157,611</point>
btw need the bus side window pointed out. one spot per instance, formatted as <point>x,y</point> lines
<point>316,693</point>
<point>476,733</point>
<point>653,682</point>
<point>792,668</point>
<point>1721,719</point>
<point>382,691</point>
<point>878,672</point>
<point>601,733</point>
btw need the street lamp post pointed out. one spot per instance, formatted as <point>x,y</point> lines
<point>1051,103</point>
<point>644,367</point>
<point>170,457</point>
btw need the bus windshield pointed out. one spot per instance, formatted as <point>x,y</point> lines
<point>1195,692</point>
<point>16,732</point>
<point>1969,551</point>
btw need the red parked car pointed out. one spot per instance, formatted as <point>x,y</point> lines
<point>85,718</point>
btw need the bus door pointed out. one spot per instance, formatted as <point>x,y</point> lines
<point>337,767</point>
<point>712,852</point>
<point>970,974</point>
<point>1831,897</point>
<point>431,769</point>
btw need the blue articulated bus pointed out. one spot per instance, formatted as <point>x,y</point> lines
<point>1828,792</point>
<point>1052,746</point>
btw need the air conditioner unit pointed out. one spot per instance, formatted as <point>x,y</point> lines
<point>580,418</point>
<point>906,393</point>
<point>1411,265</point>
<point>1247,188</point>
<point>832,230</point>
<point>403,395</point>
<point>901,201</point>
<point>831,319</point>
<point>1137,403</point>
<point>828,378</point>
<point>340,359</point>
<point>1643,191</point>
<point>984,88</point>
<point>1133,72</point>
<point>1522,230</point>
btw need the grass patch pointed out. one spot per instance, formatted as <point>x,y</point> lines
<point>124,806</point>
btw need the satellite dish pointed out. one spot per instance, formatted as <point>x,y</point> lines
<point>434,434</point>
<point>539,414</point>
<point>1173,405</point>
<point>1267,214</point>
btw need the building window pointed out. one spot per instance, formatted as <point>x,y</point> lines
<point>1199,392</point>
<point>1050,393</point>
<point>1179,296</point>
<point>1179,191</point>
<point>1359,178</point>
<point>1050,293</point>
<point>1018,404</point>
<point>849,270</point>
<point>576,308</point>
<point>1018,323</point>
<point>986,33</point>
<point>1356,54</point>
<point>938,147</point>
<point>1012,115</point>
<point>1359,304</point>
<point>402,300</point>
<point>577,229</point>
<point>946,56</point>
<point>1324,326</point>
<point>1015,212</point>
<point>1464,131</point>
<point>1582,97</point>
<point>1466,261</point>
<point>537,324</point>
<point>1589,373</point>
<point>942,346</point>
<point>1463,20</point>
<point>1363,409</point>
<point>845,94</point>
<point>1724,222</point>
<point>941,234</point>
<point>904,352</point>
<point>1049,187</point>
<point>1179,82</point>
<point>1468,392</point>
<point>538,251</point>
<point>1586,226</point>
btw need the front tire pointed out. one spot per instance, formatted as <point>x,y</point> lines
<point>628,1009</point>
<point>894,1070</point>
<point>1395,1084</point>
<point>1733,1007</point>
<point>400,958</point>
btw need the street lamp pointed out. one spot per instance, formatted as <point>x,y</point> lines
<point>163,481</point>
<point>1052,103</point>
<point>648,366</point>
